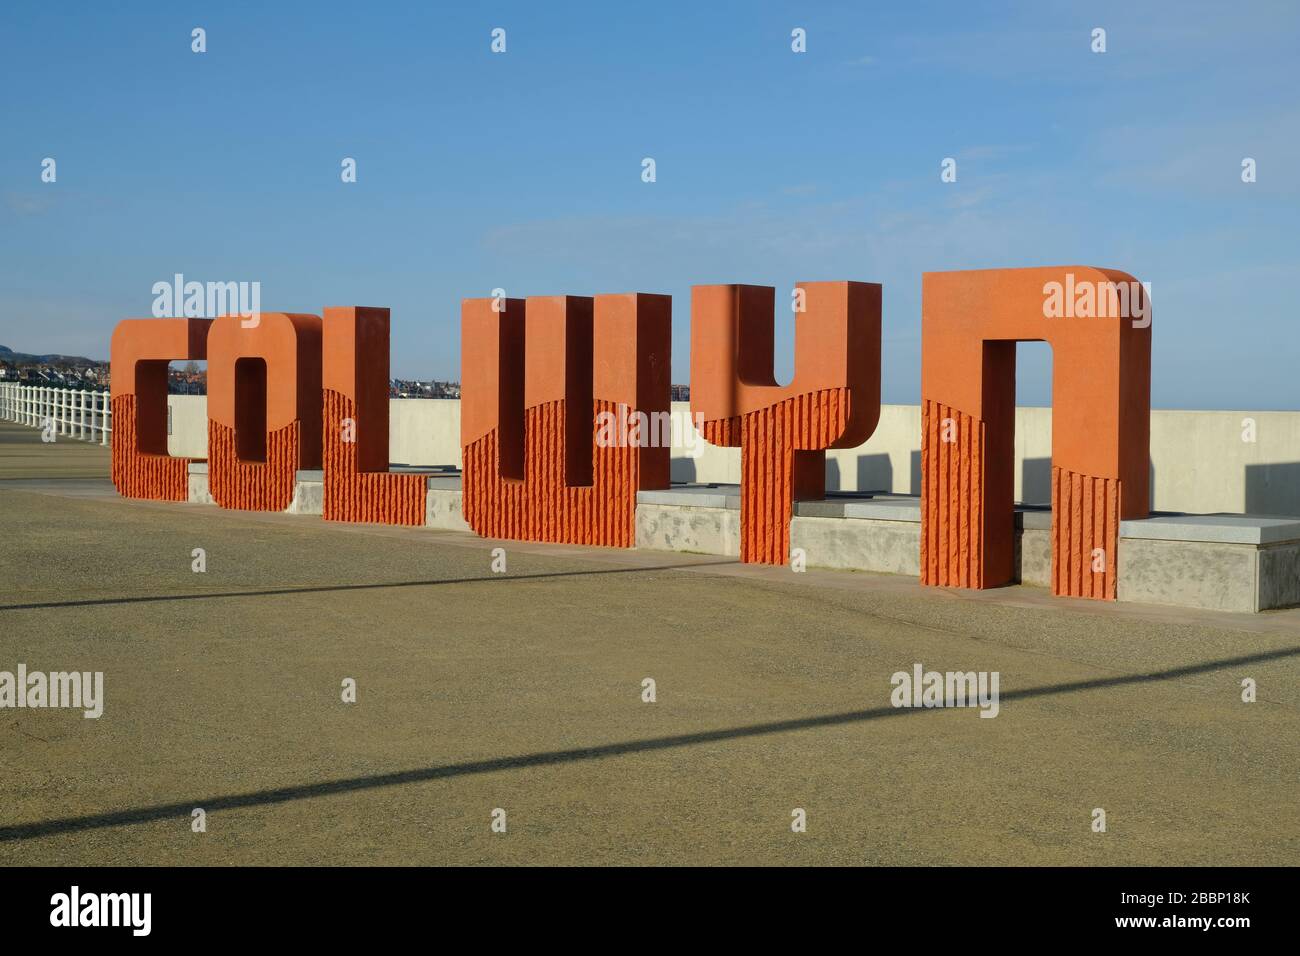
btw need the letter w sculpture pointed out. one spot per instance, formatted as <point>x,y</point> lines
<point>535,374</point>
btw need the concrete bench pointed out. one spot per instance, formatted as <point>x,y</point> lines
<point>1219,562</point>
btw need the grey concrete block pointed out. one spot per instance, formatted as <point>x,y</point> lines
<point>442,509</point>
<point>884,546</point>
<point>1218,577</point>
<point>1033,557</point>
<point>696,530</point>
<point>308,498</point>
<point>1279,576</point>
<point>198,487</point>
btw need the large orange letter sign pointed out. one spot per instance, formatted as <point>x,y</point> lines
<point>784,431</point>
<point>1098,324</point>
<point>264,408</point>
<point>535,374</point>
<point>140,353</point>
<point>358,486</point>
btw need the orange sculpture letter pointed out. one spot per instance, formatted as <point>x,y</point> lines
<point>1098,324</point>
<point>140,353</point>
<point>784,431</point>
<point>535,376</point>
<point>358,486</point>
<point>264,408</point>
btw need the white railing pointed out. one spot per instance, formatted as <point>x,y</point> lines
<point>70,412</point>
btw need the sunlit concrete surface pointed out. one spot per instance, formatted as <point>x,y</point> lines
<point>522,691</point>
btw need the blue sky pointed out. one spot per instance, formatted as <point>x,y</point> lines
<point>523,170</point>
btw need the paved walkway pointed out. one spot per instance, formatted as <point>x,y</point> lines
<point>24,455</point>
<point>522,691</point>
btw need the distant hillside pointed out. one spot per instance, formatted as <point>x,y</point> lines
<point>9,355</point>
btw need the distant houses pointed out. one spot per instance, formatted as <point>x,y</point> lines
<point>191,379</point>
<point>52,371</point>
<point>413,388</point>
<point>50,376</point>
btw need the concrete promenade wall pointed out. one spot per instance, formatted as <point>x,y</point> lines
<point>1199,460</point>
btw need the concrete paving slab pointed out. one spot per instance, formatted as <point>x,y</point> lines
<point>24,455</point>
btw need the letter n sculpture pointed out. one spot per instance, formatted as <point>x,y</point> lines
<point>535,375</point>
<point>1101,418</point>
<point>784,431</point>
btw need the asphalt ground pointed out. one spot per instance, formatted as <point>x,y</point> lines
<point>522,691</point>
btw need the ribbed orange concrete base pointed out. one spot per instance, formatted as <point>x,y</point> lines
<point>250,485</point>
<point>771,475</point>
<point>1085,534</point>
<point>952,520</point>
<point>954,552</point>
<point>137,474</point>
<point>542,507</point>
<point>352,495</point>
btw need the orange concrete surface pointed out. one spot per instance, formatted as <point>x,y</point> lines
<point>354,376</point>
<point>783,431</point>
<point>264,408</point>
<point>1101,405</point>
<point>140,352</point>
<point>534,378</point>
